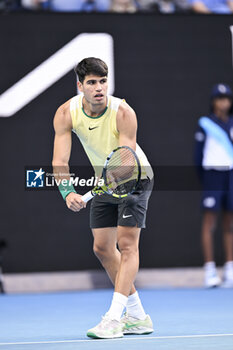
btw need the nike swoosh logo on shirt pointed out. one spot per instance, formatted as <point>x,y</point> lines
<point>126,216</point>
<point>93,128</point>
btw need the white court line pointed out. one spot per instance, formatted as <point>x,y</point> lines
<point>120,339</point>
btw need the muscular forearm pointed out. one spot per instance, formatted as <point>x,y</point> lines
<point>61,172</point>
<point>63,179</point>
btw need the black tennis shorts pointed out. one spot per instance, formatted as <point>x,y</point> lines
<point>108,211</point>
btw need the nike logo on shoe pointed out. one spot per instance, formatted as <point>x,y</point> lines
<point>126,216</point>
<point>95,127</point>
<point>131,325</point>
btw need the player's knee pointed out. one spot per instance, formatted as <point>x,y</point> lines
<point>228,224</point>
<point>228,228</point>
<point>98,251</point>
<point>101,252</point>
<point>209,222</point>
<point>127,248</point>
<point>129,255</point>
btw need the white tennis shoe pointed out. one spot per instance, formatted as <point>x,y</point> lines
<point>107,329</point>
<point>212,279</point>
<point>227,278</point>
<point>135,326</point>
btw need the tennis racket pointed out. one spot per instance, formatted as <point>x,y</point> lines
<point>121,174</point>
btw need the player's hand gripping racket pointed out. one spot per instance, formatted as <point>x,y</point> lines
<point>121,174</point>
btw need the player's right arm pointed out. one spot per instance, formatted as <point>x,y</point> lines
<point>61,153</point>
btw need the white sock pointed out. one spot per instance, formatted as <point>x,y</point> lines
<point>228,270</point>
<point>119,302</point>
<point>210,267</point>
<point>228,265</point>
<point>134,307</point>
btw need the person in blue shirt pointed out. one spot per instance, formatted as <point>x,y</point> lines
<point>80,5</point>
<point>212,6</point>
<point>214,160</point>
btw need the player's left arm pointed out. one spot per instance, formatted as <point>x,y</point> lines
<point>127,126</point>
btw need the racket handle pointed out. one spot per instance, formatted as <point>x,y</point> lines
<point>87,196</point>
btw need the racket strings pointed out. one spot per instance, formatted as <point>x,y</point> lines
<point>122,172</point>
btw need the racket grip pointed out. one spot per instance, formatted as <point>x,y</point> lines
<point>87,196</point>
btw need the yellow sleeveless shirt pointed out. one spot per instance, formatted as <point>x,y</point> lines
<point>99,135</point>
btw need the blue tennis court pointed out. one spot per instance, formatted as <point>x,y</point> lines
<point>183,319</point>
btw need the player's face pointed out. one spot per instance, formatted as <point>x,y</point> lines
<point>222,104</point>
<point>94,89</point>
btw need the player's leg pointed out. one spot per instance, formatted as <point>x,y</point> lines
<point>128,240</point>
<point>228,235</point>
<point>228,247</point>
<point>131,218</point>
<point>103,220</point>
<point>212,198</point>
<point>135,320</point>
<point>207,231</point>
<point>105,216</point>
<point>105,248</point>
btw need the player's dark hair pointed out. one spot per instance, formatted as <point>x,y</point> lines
<point>91,65</point>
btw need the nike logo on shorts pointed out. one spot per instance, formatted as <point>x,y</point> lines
<point>126,216</point>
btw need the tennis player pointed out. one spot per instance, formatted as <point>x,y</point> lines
<point>103,123</point>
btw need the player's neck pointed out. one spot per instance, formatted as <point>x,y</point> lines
<point>222,115</point>
<point>94,110</point>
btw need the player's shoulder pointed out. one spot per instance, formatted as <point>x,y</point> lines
<point>64,108</point>
<point>63,116</point>
<point>126,116</point>
<point>124,109</point>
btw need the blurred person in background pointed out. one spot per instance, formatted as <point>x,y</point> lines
<point>212,6</point>
<point>121,6</point>
<point>33,4</point>
<point>147,5</point>
<point>162,6</point>
<point>182,5</point>
<point>214,161</point>
<point>67,5</point>
<point>80,5</point>
<point>30,4</point>
<point>171,6</point>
